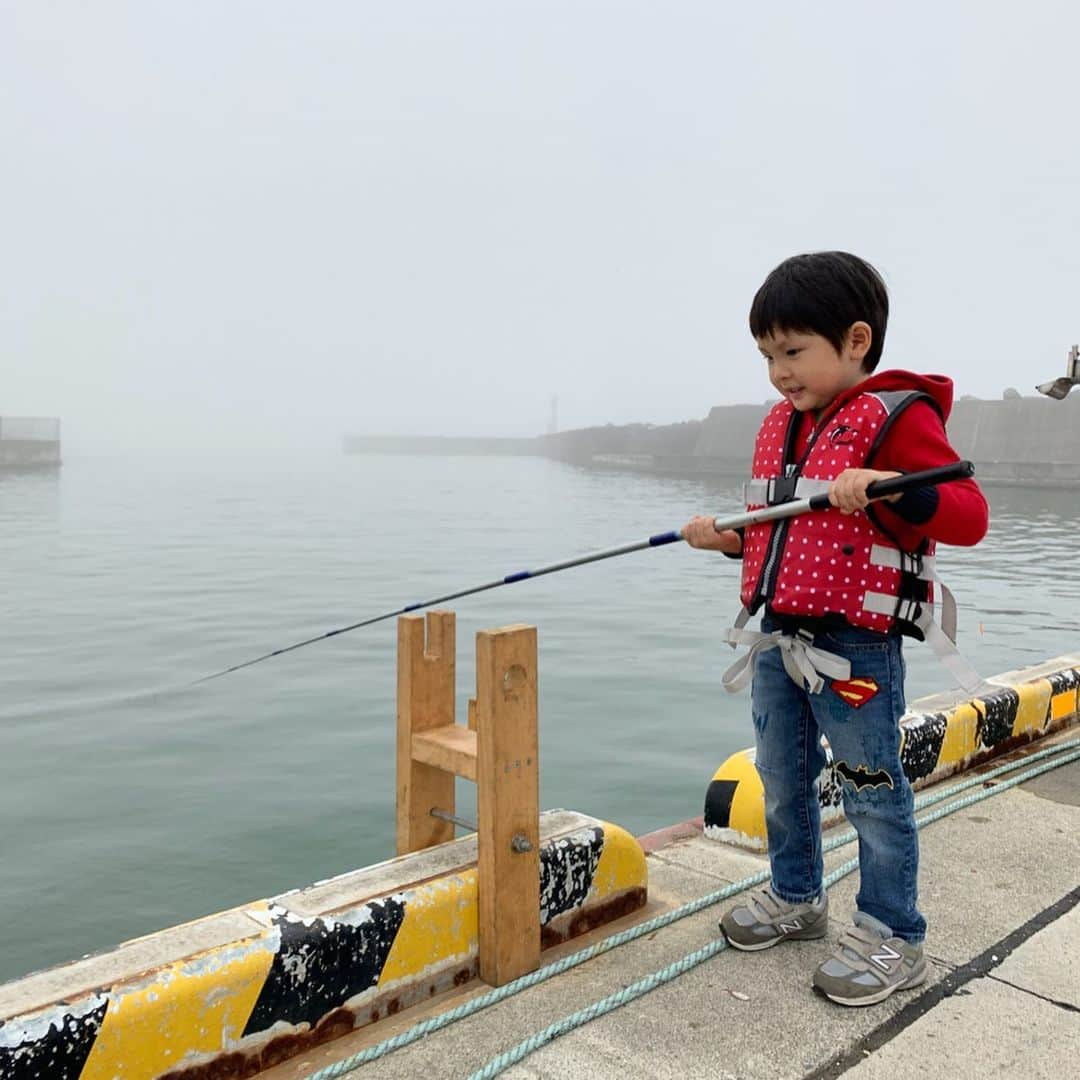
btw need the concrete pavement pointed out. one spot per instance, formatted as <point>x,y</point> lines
<point>999,886</point>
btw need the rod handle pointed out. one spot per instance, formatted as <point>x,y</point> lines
<point>896,485</point>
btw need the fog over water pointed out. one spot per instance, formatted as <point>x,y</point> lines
<point>250,225</point>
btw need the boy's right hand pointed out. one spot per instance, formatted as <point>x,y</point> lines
<point>698,532</point>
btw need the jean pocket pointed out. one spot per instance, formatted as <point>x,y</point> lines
<point>853,642</point>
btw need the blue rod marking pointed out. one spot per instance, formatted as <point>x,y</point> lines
<point>664,538</point>
<point>521,575</point>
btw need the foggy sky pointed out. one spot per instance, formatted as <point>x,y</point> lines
<point>228,224</point>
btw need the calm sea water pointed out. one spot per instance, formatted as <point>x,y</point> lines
<point>123,812</point>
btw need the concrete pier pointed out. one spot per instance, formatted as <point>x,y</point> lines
<point>1030,440</point>
<point>29,442</point>
<point>999,887</point>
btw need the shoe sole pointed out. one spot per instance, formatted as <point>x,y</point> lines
<point>872,999</point>
<point>758,946</point>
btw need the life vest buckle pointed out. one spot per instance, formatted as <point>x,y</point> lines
<point>782,489</point>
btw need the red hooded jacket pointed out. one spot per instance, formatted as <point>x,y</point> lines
<point>915,442</point>
<point>828,563</point>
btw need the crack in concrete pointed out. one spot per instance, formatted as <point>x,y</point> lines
<point>953,982</point>
<point>940,961</point>
<point>690,869</point>
<point>1068,1006</point>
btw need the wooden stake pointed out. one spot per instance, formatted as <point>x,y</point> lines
<point>508,803</point>
<point>425,700</point>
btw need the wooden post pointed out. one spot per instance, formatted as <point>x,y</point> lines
<point>425,700</point>
<point>499,750</point>
<point>508,803</point>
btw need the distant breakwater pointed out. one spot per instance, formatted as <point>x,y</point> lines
<point>1033,441</point>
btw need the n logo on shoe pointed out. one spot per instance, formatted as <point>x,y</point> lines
<point>790,927</point>
<point>882,958</point>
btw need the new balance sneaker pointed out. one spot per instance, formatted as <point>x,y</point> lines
<point>869,963</point>
<point>763,920</point>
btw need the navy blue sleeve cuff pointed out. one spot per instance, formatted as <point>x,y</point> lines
<point>916,507</point>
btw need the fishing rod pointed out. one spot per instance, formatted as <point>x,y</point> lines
<point>879,489</point>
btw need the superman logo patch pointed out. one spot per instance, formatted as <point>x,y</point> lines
<point>856,692</point>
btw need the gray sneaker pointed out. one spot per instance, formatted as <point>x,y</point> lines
<point>869,963</point>
<point>763,919</point>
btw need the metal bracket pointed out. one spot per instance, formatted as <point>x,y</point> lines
<point>443,815</point>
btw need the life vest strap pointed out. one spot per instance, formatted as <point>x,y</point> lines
<point>946,651</point>
<point>921,566</point>
<point>941,637</point>
<point>804,663</point>
<point>909,609</point>
<point>768,491</point>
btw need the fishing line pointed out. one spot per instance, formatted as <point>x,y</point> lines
<point>959,470</point>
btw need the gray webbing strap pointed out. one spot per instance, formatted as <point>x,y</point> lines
<point>936,636</point>
<point>758,491</point>
<point>921,566</point>
<point>802,661</point>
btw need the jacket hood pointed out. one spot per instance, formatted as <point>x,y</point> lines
<point>939,387</point>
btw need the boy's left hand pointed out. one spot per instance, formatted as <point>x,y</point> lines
<point>848,491</point>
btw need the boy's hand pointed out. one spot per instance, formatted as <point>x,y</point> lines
<point>848,491</point>
<point>698,532</point>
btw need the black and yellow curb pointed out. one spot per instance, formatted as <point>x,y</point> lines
<point>237,992</point>
<point>941,736</point>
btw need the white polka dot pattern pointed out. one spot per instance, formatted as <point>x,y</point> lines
<point>800,587</point>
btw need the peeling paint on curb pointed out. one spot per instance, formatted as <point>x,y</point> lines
<point>942,735</point>
<point>285,974</point>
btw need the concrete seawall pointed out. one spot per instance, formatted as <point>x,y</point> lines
<point>1014,440</point>
<point>435,444</point>
<point>29,442</point>
<point>242,990</point>
<point>29,454</point>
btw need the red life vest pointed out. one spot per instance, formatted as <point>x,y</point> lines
<point>826,563</point>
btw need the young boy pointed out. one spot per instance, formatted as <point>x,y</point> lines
<point>838,589</point>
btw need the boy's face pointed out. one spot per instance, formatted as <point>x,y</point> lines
<point>808,370</point>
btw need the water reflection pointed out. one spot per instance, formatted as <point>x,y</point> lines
<point>1011,503</point>
<point>27,495</point>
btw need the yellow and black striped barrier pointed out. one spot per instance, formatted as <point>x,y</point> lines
<point>240,991</point>
<point>941,736</point>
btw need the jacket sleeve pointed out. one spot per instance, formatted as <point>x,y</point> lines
<point>953,513</point>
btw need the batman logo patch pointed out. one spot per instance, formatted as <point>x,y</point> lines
<point>862,777</point>
<point>856,692</point>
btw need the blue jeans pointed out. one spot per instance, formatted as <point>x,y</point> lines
<point>865,740</point>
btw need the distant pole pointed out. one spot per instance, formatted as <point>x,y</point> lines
<point>553,417</point>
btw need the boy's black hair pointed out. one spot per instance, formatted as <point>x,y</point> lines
<point>823,293</point>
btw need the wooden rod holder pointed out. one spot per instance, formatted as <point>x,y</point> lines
<point>508,803</point>
<point>426,676</point>
<point>499,750</point>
